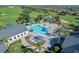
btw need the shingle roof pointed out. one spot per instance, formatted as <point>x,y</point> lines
<point>71,40</point>
<point>11,31</point>
<point>3,48</point>
<point>71,49</point>
<point>71,43</point>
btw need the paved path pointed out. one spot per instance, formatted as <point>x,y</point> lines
<point>26,41</point>
<point>64,21</point>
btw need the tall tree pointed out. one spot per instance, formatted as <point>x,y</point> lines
<point>24,17</point>
<point>58,20</point>
<point>26,50</point>
<point>5,40</point>
<point>56,49</point>
<point>1,27</point>
<point>39,47</point>
<point>39,18</point>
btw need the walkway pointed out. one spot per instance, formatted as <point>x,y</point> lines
<point>64,21</point>
<point>26,41</point>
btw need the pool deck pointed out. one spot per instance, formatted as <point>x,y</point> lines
<point>51,31</point>
<point>28,40</point>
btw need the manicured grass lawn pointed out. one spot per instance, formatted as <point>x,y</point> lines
<point>52,13</point>
<point>68,18</point>
<point>11,15</point>
<point>15,47</point>
<point>34,14</point>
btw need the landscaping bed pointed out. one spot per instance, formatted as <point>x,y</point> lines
<point>15,47</point>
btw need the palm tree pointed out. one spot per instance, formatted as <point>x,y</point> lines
<point>65,30</point>
<point>57,20</point>
<point>24,17</point>
<point>39,47</point>
<point>26,50</point>
<point>1,27</point>
<point>56,49</point>
<point>5,41</point>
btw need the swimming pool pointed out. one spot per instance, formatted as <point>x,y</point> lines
<point>40,30</point>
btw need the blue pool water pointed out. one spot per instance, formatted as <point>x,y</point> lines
<point>40,30</point>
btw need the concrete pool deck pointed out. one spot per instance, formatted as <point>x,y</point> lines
<point>52,27</point>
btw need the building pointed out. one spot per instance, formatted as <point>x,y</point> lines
<point>3,48</point>
<point>71,44</point>
<point>13,32</point>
